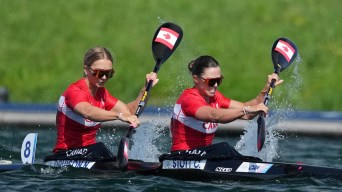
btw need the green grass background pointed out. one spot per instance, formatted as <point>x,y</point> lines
<point>42,44</point>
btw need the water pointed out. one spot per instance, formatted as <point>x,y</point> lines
<point>151,140</point>
<point>282,110</point>
<point>322,151</point>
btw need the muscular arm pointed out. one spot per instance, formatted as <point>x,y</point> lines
<point>97,114</point>
<point>211,114</point>
<point>234,112</point>
<point>236,109</point>
<point>132,106</point>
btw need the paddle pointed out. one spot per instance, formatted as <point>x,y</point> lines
<point>283,52</point>
<point>165,41</point>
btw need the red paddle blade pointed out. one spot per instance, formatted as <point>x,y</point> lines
<point>165,41</point>
<point>284,52</point>
<point>122,155</point>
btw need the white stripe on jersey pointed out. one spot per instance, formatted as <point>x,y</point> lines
<point>72,115</point>
<point>204,127</point>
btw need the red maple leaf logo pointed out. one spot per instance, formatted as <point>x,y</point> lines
<point>167,36</point>
<point>285,49</point>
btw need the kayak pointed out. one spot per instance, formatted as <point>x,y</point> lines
<point>234,169</point>
<point>7,165</point>
<point>208,169</point>
<point>201,170</point>
<point>28,149</point>
<point>217,162</point>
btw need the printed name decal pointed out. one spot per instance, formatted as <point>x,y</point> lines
<point>184,164</point>
<point>76,152</point>
<point>196,152</point>
<point>73,163</point>
<point>248,167</point>
<point>223,169</point>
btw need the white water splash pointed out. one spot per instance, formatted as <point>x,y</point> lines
<point>247,145</point>
<point>282,111</point>
<point>145,142</point>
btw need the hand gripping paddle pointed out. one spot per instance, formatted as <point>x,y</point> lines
<point>283,52</point>
<point>165,41</point>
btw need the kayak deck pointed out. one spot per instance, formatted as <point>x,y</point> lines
<point>202,170</point>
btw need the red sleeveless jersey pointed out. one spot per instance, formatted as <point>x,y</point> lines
<point>73,130</point>
<point>187,132</point>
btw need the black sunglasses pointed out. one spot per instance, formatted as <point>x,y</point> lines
<point>212,81</point>
<point>99,73</point>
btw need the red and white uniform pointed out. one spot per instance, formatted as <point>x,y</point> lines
<point>73,130</point>
<point>188,132</point>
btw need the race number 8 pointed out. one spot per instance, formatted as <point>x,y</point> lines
<point>28,148</point>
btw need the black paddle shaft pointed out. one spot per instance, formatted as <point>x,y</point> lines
<point>272,85</point>
<point>283,53</point>
<point>165,41</point>
<point>143,100</point>
<point>261,120</point>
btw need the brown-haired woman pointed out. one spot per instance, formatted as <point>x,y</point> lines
<point>199,109</point>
